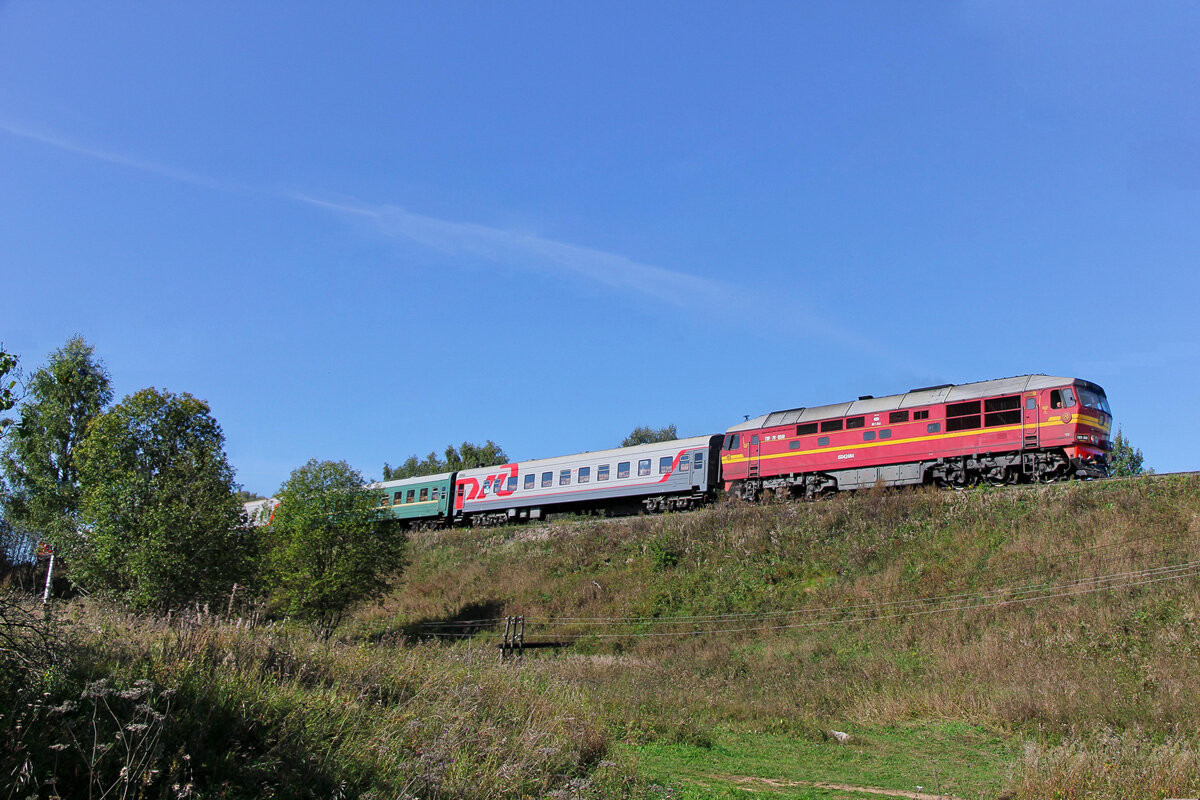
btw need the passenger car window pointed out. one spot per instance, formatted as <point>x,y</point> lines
<point>564,477</point>
<point>644,467</point>
<point>398,499</point>
<point>412,493</point>
<point>547,479</point>
<point>529,480</point>
<point>685,462</point>
<point>424,494</point>
<point>664,465</point>
<point>699,461</point>
<point>585,474</point>
<point>602,472</point>
<point>623,469</point>
<point>512,483</point>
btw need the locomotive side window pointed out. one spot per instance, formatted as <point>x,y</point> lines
<point>806,429</point>
<point>793,445</point>
<point>664,465</point>
<point>886,433</point>
<point>823,441</point>
<point>897,416</point>
<point>564,477</point>
<point>1056,399</point>
<point>643,467</point>
<point>547,479</point>
<point>602,472</point>
<point>734,442</point>
<point>962,416</point>
<point>868,436</point>
<point>754,439</point>
<point>529,480</point>
<point>831,425</point>
<point>1001,411</point>
<point>923,414</point>
<point>1031,403</point>
<point>623,469</point>
<point>854,422</point>
<point>585,474</point>
<point>934,427</point>
<point>1068,398</point>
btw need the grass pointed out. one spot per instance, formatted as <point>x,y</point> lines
<point>957,759</point>
<point>1077,696</point>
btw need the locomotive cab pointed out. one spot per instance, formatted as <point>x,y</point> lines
<point>1084,425</point>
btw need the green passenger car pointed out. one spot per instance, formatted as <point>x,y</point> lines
<point>423,500</point>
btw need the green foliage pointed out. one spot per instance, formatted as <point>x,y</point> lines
<point>647,435</point>
<point>1125,460</point>
<point>242,496</point>
<point>328,549</point>
<point>39,461</point>
<point>161,524</point>
<point>8,398</point>
<point>468,456</point>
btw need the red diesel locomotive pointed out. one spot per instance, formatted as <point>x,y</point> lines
<point>1031,428</point>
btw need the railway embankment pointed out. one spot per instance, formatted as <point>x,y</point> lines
<point>991,643</point>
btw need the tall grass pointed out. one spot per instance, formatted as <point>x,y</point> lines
<point>1119,663</point>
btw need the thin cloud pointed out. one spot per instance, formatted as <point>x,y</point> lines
<point>109,157</point>
<point>530,252</point>
<point>518,250</point>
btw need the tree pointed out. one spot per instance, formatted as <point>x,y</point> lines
<point>1124,460</point>
<point>62,399</point>
<point>161,525</point>
<point>646,435</point>
<point>468,456</point>
<point>328,548</point>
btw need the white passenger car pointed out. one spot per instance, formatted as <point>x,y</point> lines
<point>677,474</point>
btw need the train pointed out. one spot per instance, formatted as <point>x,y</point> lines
<point>1024,429</point>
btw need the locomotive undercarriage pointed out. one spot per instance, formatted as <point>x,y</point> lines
<point>996,469</point>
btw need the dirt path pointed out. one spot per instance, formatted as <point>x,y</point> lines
<point>845,787</point>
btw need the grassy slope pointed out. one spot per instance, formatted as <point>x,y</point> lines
<point>1090,695</point>
<point>1084,696</point>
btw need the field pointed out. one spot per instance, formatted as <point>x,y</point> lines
<point>1028,643</point>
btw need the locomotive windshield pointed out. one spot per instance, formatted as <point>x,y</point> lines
<point>1092,399</point>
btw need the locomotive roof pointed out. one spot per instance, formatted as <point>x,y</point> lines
<point>914,397</point>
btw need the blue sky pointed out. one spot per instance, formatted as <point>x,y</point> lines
<point>366,231</point>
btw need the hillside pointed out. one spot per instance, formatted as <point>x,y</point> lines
<point>1017,643</point>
